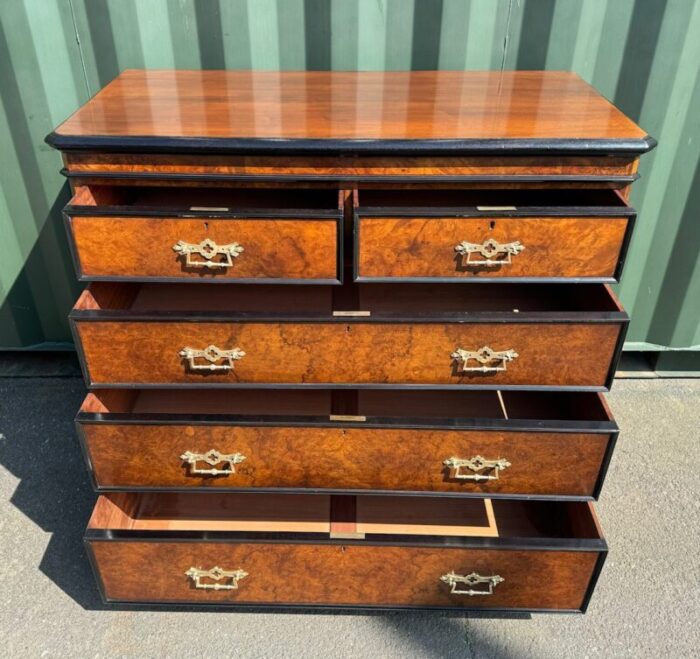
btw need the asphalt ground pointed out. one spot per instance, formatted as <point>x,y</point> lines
<point>647,602</point>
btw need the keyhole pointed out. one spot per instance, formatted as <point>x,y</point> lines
<point>492,224</point>
<point>206,226</point>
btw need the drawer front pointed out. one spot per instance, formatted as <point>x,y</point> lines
<point>555,354</point>
<point>484,248</point>
<point>150,456</point>
<point>237,249</point>
<point>342,575</point>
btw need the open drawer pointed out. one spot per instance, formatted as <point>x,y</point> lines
<point>308,550</point>
<point>461,443</point>
<point>368,335</point>
<point>505,235</point>
<point>199,234</point>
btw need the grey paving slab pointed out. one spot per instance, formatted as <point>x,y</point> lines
<point>647,601</point>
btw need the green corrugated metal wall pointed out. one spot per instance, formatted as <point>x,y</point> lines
<point>643,55</point>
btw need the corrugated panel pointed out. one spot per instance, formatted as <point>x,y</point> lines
<point>643,55</point>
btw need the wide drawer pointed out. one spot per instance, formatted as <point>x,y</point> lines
<point>506,235</point>
<point>321,551</point>
<point>471,443</point>
<point>200,234</point>
<point>415,335</point>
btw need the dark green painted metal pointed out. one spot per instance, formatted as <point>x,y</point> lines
<point>644,55</point>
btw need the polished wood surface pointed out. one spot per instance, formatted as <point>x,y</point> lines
<point>350,574</point>
<point>563,354</point>
<point>553,247</point>
<point>302,249</point>
<point>400,459</point>
<point>417,105</point>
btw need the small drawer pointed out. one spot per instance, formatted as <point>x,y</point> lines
<point>505,235</point>
<point>310,550</point>
<point>461,443</point>
<point>370,335</point>
<point>196,234</point>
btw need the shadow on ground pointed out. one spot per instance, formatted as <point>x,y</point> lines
<point>38,445</point>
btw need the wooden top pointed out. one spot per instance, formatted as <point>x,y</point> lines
<point>443,112</point>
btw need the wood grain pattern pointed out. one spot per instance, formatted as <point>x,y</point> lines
<point>571,354</point>
<point>273,248</point>
<point>401,459</point>
<point>351,105</point>
<point>280,167</point>
<point>553,247</point>
<point>352,575</point>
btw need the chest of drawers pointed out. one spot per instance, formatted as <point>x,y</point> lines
<point>340,324</point>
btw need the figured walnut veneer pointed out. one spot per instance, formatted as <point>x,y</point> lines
<point>350,574</point>
<point>553,247</point>
<point>273,248</point>
<point>136,455</point>
<point>147,352</point>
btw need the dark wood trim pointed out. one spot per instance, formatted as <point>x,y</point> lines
<point>145,212</point>
<point>396,147</point>
<point>409,423</point>
<point>617,354</point>
<point>282,537</point>
<point>335,385</point>
<point>594,579</point>
<point>544,317</point>
<point>592,212</point>
<point>607,457</point>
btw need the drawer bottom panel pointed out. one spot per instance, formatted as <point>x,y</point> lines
<point>351,575</point>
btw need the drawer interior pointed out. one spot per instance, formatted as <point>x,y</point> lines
<point>182,198</point>
<point>369,299</point>
<point>344,516</point>
<point>367,403</point>
<point>488,200</point>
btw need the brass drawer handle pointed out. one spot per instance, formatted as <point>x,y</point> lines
<point>477,464</point>
<point>212,458</point>
<point>208,250</point>
<point>491,361</point>
<point>211,354</point>
<point>470,580</point>
<point>217,574</point>
<point>488,249</point>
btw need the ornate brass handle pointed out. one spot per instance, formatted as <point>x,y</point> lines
<point>470,580</point>
<point>217,574</point>
<point>491,361</point>
<point>208,250</point>
<point>212,458</point>
<point>488,249</point>
<point>211,354</point>
<point>477,464</point>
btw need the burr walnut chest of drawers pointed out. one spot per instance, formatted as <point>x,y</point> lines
<point>347,334</point>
